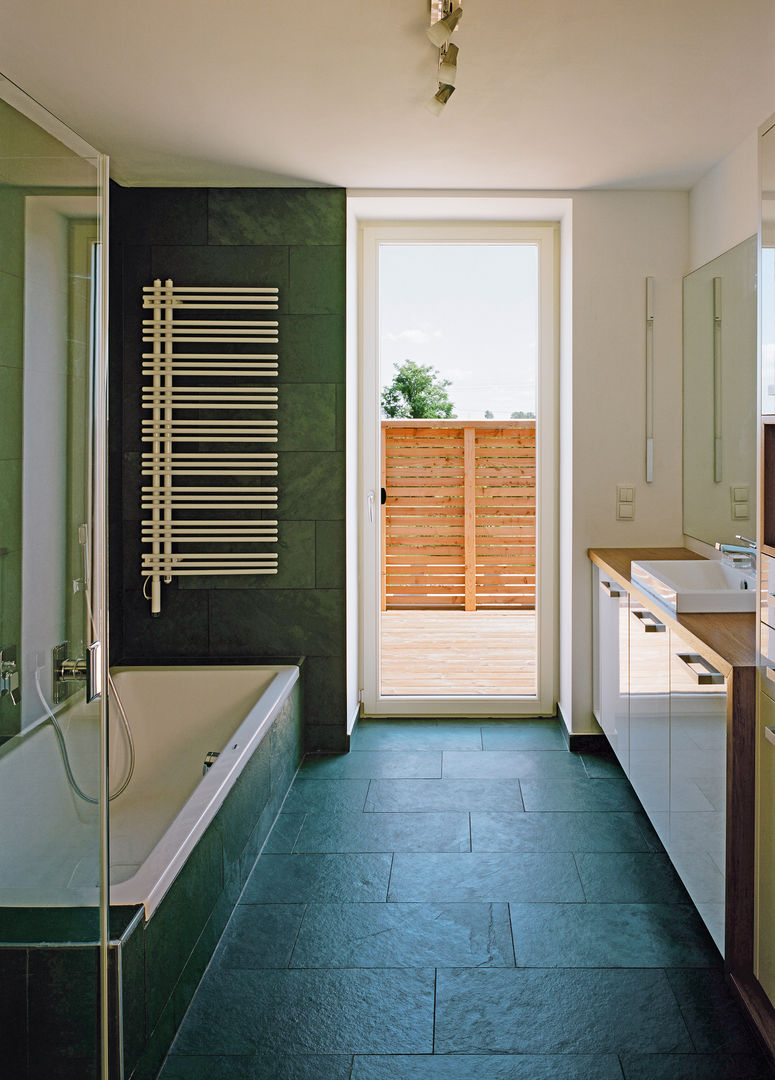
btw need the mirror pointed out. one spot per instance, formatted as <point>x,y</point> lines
<point>719,397</point>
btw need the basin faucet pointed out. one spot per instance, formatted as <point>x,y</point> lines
<point>742,555</point>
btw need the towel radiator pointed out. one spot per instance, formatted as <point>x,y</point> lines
<point>208,412</point>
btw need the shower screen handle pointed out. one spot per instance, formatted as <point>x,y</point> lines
<point>94,671</point>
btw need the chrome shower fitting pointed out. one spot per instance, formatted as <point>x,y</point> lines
<point>9,674</point>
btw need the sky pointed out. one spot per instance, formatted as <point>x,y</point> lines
<point>470,311</point>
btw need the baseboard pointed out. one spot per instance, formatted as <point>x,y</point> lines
<point>588,743</point>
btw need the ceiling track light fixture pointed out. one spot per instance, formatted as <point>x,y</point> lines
<point>445,15</point>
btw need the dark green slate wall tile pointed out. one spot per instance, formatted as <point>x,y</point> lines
<point>159,215</point>
<point>324,686</point>
<point>330,554</point>
<point>326,738</point>
<point>311,486</point>
<point>307,417</point>
<point>277,216</point>
<point>313,348</point>
<point>225,266</point>
<point>182,629</point>
<point>133,991</point>
<point>13,1009</point>
<point>317,281</point>
<point>63,997</point>
<point>179,920</point>
<point>304,620</point>
<point>244,805</point>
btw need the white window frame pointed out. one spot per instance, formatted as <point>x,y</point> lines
<point>546,237</point>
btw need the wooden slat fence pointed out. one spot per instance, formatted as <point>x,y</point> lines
<point>458,527</point>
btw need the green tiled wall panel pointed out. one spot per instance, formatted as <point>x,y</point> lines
<point>291,216</point>
<point>294,238</point>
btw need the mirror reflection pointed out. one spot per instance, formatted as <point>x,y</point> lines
<point>719,397</point>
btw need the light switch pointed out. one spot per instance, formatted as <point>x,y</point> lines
<point>740,493</point>
<point>741,511</point>
<point>625,502</point>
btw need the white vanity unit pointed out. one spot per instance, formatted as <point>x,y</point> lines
<point>675,698</point>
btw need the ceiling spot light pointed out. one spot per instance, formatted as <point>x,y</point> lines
<point>440,32</point>
<point>440,99</point>
<point>448,65</point>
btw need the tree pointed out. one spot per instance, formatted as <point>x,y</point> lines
<point>488,414</point>
<point>523,416</point>
<point>417,393</point>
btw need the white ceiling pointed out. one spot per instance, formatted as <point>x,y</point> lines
<point>552,94</point>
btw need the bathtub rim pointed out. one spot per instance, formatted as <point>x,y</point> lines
<point>150,882</point>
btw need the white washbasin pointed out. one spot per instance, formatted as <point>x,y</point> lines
<point>685,585</point>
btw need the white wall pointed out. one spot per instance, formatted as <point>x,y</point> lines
<point>724,204</point>
<point>619,239</point>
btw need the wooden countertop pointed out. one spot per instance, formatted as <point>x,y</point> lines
<point>727,639</point>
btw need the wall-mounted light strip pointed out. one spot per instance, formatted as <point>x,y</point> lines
<point>649,380</point>
<point>717,434</point>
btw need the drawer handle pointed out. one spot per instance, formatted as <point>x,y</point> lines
<point>613,591</point>
<point>707,676</point>
<point>769,734</point>
<point>649,622</point>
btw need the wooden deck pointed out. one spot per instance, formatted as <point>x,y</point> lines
<point>441,653</point>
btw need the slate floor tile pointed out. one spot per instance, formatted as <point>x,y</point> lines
<point>610,935</point>
<point>260,936</point>
<point>284,833</point>
<point>310,1012</point>
<point>298,879</point>
<point>386,796</point>
<point>325,796</point>
<point>580,794</point>
<point>556,831</point>
<point>693,1067</point>
<point>485,876</point>
<point>404,935</point>
<point>552,1011</point>
<point>523,735</point>
<point>630,878</point>
<point>714,1020</point>
<point>469,765</point>
<point>447,831</point>
<point>490,1067</point>
<point>392,735</point>
<point>257,1067</point>
<point>369,764</point>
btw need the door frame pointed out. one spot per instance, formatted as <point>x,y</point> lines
<point>371,236</point>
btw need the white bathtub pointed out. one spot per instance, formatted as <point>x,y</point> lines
<point>177,715</point>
